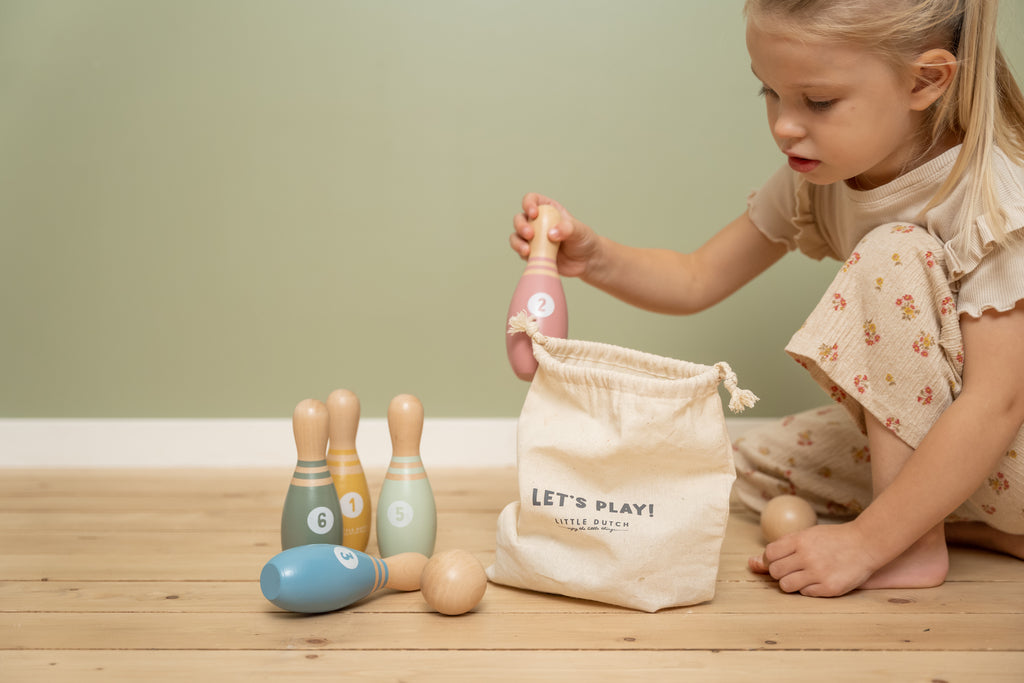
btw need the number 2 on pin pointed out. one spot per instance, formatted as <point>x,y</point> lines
<point>541,305</point>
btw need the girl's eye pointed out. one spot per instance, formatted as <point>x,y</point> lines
<point>819,105</point>
<point>813,105</point>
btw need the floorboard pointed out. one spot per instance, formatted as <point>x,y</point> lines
<point>115,575</point>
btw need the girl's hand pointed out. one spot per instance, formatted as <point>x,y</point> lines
<point>822,561</point>
<point>578,244</point>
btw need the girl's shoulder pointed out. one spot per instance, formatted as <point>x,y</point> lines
<point>1008,172</point>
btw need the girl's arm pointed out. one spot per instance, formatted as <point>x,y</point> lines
<point>666,281</point>
<point>657,280</point>
<point>951,462</point>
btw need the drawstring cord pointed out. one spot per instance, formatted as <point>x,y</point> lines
<point>524,322</point>
<point>740,399</point>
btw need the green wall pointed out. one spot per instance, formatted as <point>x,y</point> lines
<point>215,208</point>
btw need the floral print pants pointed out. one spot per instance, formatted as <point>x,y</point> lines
<point>884,339</point>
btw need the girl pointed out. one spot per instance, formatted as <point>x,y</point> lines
<point>904,136</point>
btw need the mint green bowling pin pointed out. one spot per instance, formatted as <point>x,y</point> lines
<point>406,512</point>
<point>311,513</point>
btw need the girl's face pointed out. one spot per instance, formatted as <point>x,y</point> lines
<point>837,112</point>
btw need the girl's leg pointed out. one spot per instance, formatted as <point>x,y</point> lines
<point>820,455</point>
<point>885,342</point>
<point>993,518</point>
<point>925,563</point>
<point>981,535</point>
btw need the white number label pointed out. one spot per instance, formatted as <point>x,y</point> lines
<point>351,504</point>
<point>541,305</point>
<point>320,520</point>
<point>346,557</point>
<point>400,514</point>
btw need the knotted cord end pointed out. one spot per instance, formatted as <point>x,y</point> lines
<point>739,399</point>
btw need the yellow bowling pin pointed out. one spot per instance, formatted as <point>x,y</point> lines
<point>347,471</point>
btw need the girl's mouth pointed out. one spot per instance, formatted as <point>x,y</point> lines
<point>801,165</point>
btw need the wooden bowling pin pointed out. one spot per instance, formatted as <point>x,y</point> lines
<point>347,471</point>
<point>539,292</point>
<point>311,513</point>
<point>324,577</point>
<point>406,512</point>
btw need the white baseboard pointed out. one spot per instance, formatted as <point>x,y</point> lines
<point>172,443</point>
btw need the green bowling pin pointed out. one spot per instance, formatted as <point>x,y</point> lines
<point>311,513</point>
<point>406,512</point>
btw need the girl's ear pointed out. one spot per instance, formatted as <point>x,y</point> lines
<point>933,73</point>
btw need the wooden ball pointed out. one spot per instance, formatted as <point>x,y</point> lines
<point>785,514</point>
<point>453,582</point>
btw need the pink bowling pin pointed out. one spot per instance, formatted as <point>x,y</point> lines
<point>540,293</point>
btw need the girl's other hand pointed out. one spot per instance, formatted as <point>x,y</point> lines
<point>822,561</point>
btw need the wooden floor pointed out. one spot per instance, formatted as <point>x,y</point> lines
<point>110,575</point>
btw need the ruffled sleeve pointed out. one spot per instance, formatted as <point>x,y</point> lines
<point>989,273</point>
<point>783,210</point>
<point>996,282</point>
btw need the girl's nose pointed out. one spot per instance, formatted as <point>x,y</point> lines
<point>787,127</point>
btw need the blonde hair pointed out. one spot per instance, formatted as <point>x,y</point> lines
<point>983,107</point>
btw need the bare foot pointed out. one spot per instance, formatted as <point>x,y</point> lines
<point>981,535</point>
<point>922,565</point>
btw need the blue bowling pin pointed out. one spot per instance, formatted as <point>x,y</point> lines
<point>322,577</point>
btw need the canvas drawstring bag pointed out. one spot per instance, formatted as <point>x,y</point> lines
<point>625,470</point>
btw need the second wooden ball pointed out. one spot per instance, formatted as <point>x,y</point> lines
<point>453,582</point>
<point>785,514</point>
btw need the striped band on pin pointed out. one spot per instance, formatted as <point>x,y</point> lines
<point>406,468</point>
<point>541,265</point>
<point>380,573</point>
<point>344,461</point>
<point>315,473</point>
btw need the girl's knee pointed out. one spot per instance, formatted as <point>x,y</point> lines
<point>901,264</point>
<point>896,245</point>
